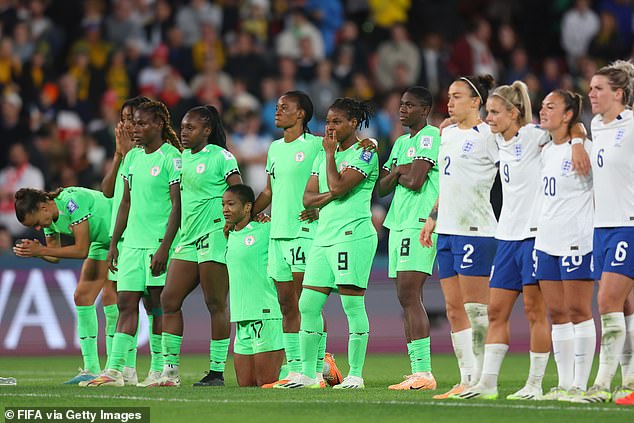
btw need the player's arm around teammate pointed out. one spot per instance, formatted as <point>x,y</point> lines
<point>258,347</point>
<point>208,169</point>
<point>412,173</point>
<point>84,214</point>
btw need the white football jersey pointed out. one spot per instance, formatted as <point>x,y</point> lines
<point>565,223</point>
<point>520,171</point>
<point>613,171</point>
<point>467,164</point>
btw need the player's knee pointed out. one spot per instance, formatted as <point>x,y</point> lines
<point>579,314</point>
<point>455,313</point>
<point>83,298</point>
<point>534,311</point>
<point>216,305</point>
<point>409,299</point>
<point>169,303</point>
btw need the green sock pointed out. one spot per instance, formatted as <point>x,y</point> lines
<point>410,353</point>
<point>156,363</point>
<point>120,346</point>
<point>312,325</point>
<point>218,350</point>
<point>359,327</point>
<point>283,372</point>
<point>171,349</point>
<point>112,315</point>
<point>422,355</point>
<point>291,347</point>
<point>321,353</point>
<point>130,360</point>
<point>87,331</point>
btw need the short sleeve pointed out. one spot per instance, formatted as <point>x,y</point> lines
<point>228,164</point>
<point>174,166</point>
<point>317,163</point>
<point>363,162</point>
<point>427,146</point>
<point>268,169</point>
<point>78,208</point>
<point>50,232</point>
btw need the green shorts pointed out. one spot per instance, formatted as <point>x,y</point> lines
<point>258,336</point>
<point>407,255</point>
<point>346,263</point>
<point>98,251</point>
<point>210,247</point>
<point>287,256</point>
<point>134,270</point>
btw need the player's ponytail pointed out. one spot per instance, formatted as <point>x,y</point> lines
<point>515,96</point>
<point>213,121</point>
<point>479,85</point>
<point>28,200</point>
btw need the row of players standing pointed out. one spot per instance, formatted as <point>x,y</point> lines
<point>462,257</point>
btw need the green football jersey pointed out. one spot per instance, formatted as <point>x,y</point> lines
<point>122,173</point>
<point>252,293</point>
<point>289,165</point>
<point>76,205</point>
<point>150,177</point>
<point>410,209</point>
<point>348,217</point>
<point>203,182</point>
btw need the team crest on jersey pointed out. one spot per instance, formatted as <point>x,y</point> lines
<point>249,240</point>
<point>200,168</point>
<point>410,152</point>
<point>566,166</point>
<point>71,206</point>
<point>467,147</point>
<point>300,156</point>
<point>366,156</point>
<point>343,165</point>
<point>155,171</point>
<point>618,139</point>
<point>426,142</point>
<point>228,155</point>
<point>178,164</point>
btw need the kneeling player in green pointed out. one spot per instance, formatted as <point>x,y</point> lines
<point>345,243</point>
<point>84,214</point>
<point>258,347</point>
<point>150,215</point>
<point>208,170</point>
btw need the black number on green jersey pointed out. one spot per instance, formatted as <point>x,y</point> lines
<point>298,256</point>
<point>343,261</point>
<point>405,247</point>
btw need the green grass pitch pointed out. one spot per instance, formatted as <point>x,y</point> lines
<point>39,384</point>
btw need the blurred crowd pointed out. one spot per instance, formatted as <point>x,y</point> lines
<point>66,66</point>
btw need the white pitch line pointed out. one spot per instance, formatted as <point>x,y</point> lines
<point>441,404</point>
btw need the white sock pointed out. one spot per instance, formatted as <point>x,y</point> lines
<point>493,357</point>
<point>479,318</point>
<point>563,350</point>
<point>585,344</point>
<point>537,369</point>
<point>627,363</point>
<point>461,342</point>
<point>612,340</point>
